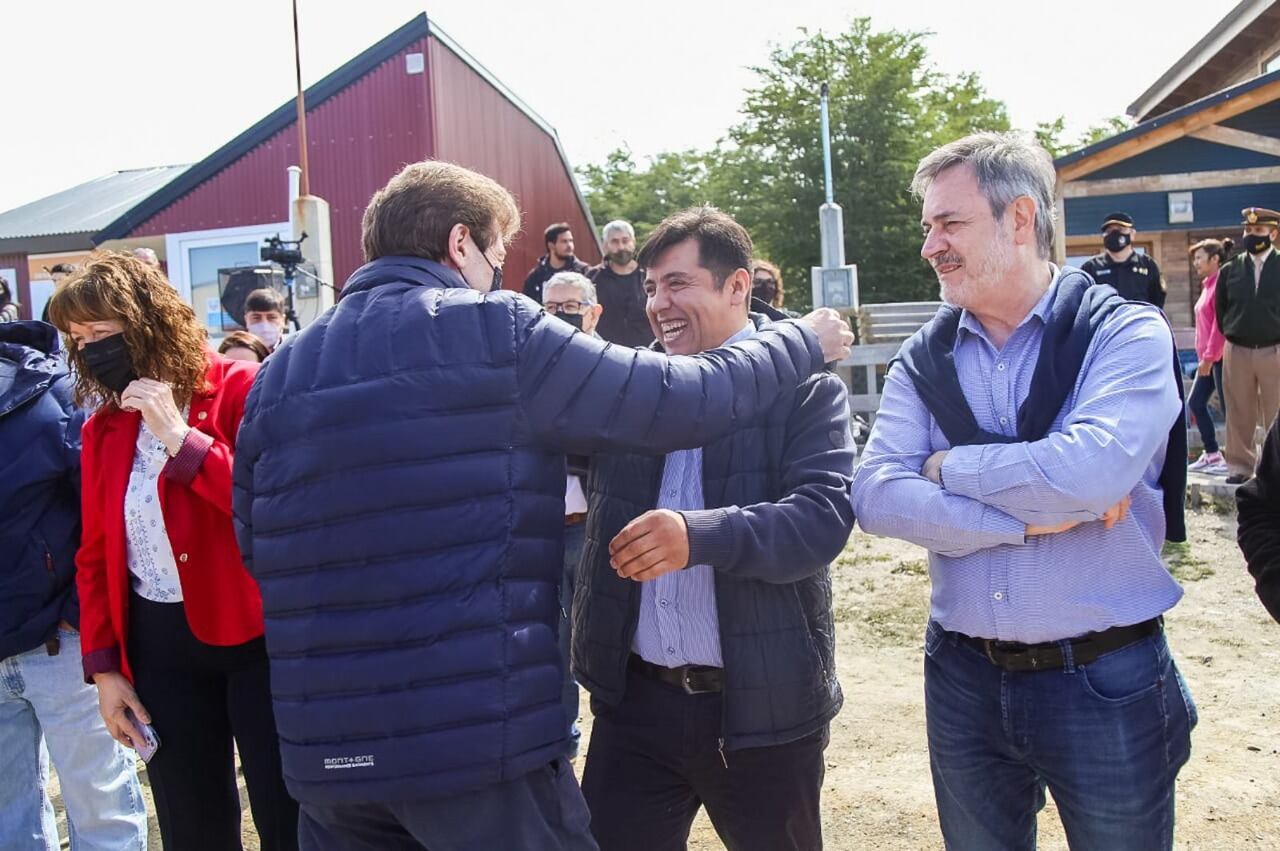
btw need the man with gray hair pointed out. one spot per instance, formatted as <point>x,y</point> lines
<point>1022,439</point>
<point>571,297</point>
<point>620,283</point>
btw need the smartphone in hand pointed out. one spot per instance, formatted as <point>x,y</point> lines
<point>146,742</point>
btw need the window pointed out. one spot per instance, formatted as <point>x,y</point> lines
<point>1272,64</point>
<point>196,256</point>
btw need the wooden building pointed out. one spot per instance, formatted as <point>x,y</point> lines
<point>1207,145</point>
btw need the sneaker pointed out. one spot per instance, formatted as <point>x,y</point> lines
<point>1211,463</point>
<point>1205,459</point>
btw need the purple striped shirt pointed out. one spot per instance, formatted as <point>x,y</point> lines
<point>679,624</point>
<point>989,580</point>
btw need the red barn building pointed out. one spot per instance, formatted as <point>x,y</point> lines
<point>414,95</point>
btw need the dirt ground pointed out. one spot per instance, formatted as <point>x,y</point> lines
<point>878,793</point>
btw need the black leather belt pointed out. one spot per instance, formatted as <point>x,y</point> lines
<point>693,679</point>
<point>1012,656</point>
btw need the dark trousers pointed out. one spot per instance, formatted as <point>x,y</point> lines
<point>201,698</point>
<point>542,811</point>
<point>575,538</point>
<point>1198,403</point>
<point>655,758</point>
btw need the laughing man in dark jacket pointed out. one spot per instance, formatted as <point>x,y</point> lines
<point>704,628</point>
<point>399,496</point>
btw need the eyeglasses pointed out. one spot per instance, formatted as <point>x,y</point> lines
<point>763,282</point>
<point>571,307</point>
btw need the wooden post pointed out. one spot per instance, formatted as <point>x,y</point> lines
<point>304,185</point>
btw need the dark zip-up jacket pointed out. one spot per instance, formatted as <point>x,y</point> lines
<point>1249,314</point>
<point>777,514</point>
<point>39,488</point>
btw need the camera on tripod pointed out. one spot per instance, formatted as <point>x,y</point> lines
<point>286,252</point>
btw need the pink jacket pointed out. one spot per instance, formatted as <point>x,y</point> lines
<point>1209,340</point>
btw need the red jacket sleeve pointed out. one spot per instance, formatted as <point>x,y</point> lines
<point>98,643</point>
<point>204,462</point>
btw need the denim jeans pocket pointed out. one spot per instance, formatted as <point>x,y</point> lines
<point>1193,715</point>
<point>934,635</point>
<point>1123,676</point>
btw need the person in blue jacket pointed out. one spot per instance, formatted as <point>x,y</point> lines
<point>46,709</point>
<point>399,496</point>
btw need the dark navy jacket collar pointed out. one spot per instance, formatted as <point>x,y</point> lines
<point>402,269</point>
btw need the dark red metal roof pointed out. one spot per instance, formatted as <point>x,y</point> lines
<point>364,122</point>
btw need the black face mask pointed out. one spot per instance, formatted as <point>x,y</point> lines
<point>108,363</point>
<point>765,293</point>
<point>621,258</point>
<point>1256,243</point>
<point>574,319</point>
<point>1116,241</point>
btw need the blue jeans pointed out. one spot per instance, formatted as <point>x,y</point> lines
<point>46,709</point>
<point>574,538</point>
<point>1198,403</point>
<point>1107,739</point>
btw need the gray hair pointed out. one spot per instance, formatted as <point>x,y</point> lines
<point>572,279</point>
<point>615,226</point>
<point>1008,166</point>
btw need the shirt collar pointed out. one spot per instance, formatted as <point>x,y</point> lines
<point>970,324</point>
<point>748,331</point>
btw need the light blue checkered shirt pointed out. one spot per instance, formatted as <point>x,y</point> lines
<point>679,624</point>
<point>1109,439</point>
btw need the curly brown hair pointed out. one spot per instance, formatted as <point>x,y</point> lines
<point>164,338</point>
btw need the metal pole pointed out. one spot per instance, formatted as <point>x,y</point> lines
<point>826,146</point>
<point>305,184</point>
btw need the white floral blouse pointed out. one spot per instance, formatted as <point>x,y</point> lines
<point>151,563</point>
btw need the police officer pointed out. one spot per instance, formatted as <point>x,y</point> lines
<point>1247,301</point>
<point>1135,276</point>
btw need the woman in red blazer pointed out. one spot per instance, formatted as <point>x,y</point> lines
<point>171,622</point>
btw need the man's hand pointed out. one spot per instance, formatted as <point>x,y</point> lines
<point>1205,368</point>
<point>115,695</point>
<point>154,400</point>
<point>1109,518</point>
<point>833,333</point>
<point>932,469</point>
<point>654,544</point>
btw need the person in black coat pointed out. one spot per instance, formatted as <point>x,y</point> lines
<point>1258,533</point>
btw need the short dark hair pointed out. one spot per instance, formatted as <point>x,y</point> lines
<point>552,233</point>
<point>724,246</point>
<point>63,269</point>
<point>263,301</point>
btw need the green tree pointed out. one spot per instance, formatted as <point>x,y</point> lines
<point>617,189</point>
<point>1050,134</point>
<point>888,108</point>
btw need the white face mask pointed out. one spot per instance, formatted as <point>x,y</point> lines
<point>267,332</point>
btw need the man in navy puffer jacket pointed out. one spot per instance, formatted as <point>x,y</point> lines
<point>399,496</point>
